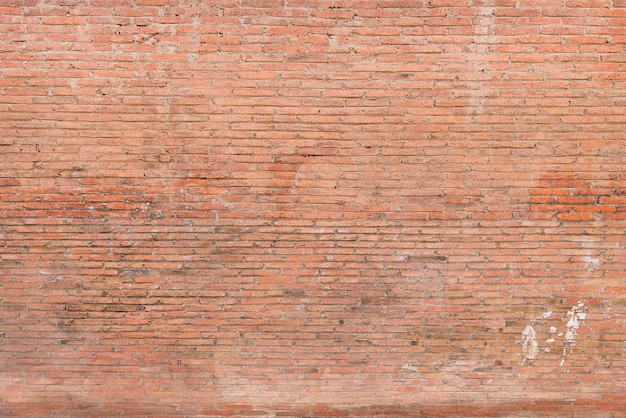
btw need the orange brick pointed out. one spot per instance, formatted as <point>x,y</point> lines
<point>353,208</point>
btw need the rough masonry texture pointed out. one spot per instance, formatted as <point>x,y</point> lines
<point>313,208</point>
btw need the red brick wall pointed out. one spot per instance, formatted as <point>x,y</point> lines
<point>313,208</point>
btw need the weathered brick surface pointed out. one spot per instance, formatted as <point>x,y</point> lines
<point>312,208</point>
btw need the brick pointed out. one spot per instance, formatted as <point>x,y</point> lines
<point>354,207</point>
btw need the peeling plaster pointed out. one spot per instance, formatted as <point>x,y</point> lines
<point>573,320</point>
<point>530,347</point>
<point>550,339</point>
<point>574,317</point>
<point>591,262</point>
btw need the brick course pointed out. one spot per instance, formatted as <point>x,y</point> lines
<point>313,208</point>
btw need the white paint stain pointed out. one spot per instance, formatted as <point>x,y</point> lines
<point>574,316</point>
<point>546,315</point>
<point>530,347</point>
